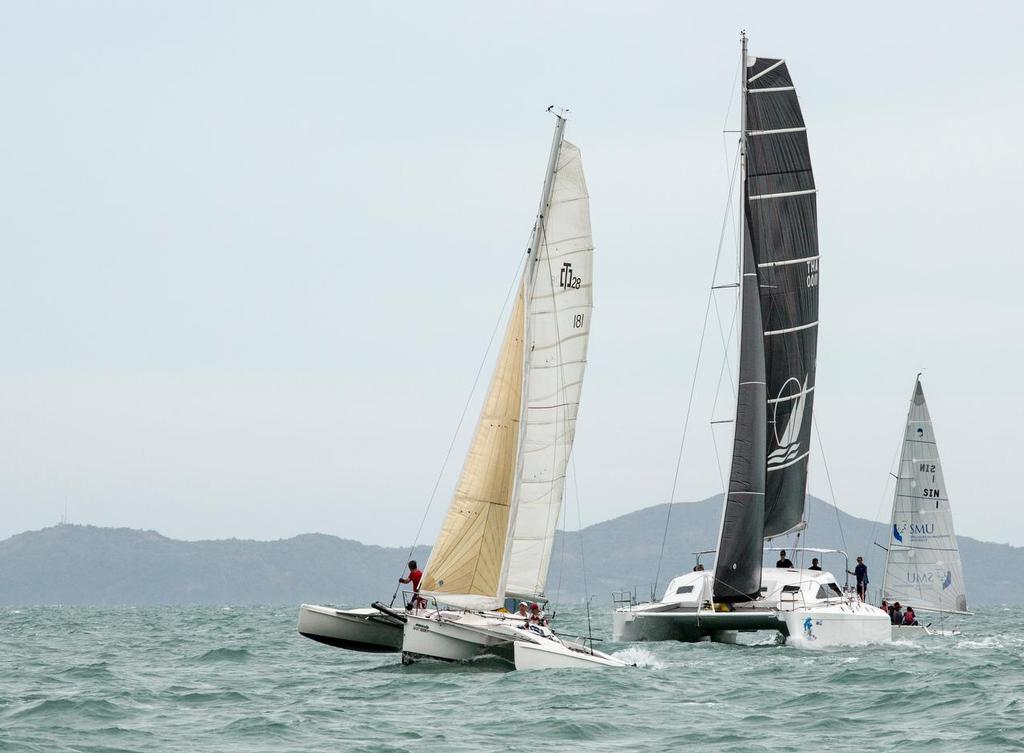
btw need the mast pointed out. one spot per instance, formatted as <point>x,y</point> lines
<point>739,552</point>
<point>529,278</point>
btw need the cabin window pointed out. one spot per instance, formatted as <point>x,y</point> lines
<point>684,590</point>
<point>828,590</point>
<point>790,589</point>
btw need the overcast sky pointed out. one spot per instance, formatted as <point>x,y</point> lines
<point>252,252</point>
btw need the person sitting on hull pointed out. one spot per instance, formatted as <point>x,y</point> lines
<point>814,564</point>
<point>537,616</point>
<point>909,618</point>
<point>784,561</point>
<point>415,576</point>
<point>524,610</point>
<point>897,614</point>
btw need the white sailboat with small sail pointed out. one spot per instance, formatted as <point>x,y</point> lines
<point>922,562</point>
<point>765,498</point>
<point>496,540</point>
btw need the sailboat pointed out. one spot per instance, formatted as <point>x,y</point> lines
<point>774,404</point>
<point>496,540</point>
<point>922,562</point>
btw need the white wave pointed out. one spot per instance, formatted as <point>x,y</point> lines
<point>641,657</point>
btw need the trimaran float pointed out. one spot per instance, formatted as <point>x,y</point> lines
<point>922,562</point>
<point>496,540</point>
<point>766,493</point>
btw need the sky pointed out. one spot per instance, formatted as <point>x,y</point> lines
<point>252,253</point>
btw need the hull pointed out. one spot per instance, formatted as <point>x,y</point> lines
<point>631,625</point>
<point>455,637</point>
<point>848,624</point>
<point>549,654</point>
<point>363,629</point>
<point>914,632</point>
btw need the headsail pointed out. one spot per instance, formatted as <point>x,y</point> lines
<point>465,562</point>
<point>923,567</point>
<point>498,533</point>
<point>561,299</point>
<point>779,332</point>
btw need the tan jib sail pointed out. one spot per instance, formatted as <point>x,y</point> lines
<point>466,561</point>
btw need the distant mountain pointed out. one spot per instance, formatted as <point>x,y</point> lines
<point>71,564</point>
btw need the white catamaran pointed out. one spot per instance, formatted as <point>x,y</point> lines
<point>495,543</point>
<point>922,562</point>
<point>772,429</point>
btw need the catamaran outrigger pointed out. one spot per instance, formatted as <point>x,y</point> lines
<point>774,404</point>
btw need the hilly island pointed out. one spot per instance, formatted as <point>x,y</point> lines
<point>88,565</point>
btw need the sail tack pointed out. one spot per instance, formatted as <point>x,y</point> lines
<point>558,327</point>
<point>782,220</point>
<point>923,567</point>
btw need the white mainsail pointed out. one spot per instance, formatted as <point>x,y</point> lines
<point>561,300</point>
<point>499,530</point>
<point>922,568</point>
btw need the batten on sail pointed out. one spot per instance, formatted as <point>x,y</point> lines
<point>466,559</point>
<point>923,566</point>
<point>561,300</point>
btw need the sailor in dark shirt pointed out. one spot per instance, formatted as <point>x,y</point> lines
<point>861,571</point>
<point>814,564</point>
<point>784,561</point>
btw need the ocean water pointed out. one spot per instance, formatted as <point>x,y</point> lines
<point>241,679</point>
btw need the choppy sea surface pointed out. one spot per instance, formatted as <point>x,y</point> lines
<point>242,679</point>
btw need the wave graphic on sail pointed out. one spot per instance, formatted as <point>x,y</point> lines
<point>789,442</point>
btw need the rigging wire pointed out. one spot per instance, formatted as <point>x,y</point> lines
<point>828,476</point>
<point>696,370</point>
<point>583,558</point>
<point>462,416</point>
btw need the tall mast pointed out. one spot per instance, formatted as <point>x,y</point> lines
<point>743,138</point>
<point>530,274</point>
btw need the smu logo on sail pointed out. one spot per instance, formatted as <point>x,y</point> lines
<point>931,577</point>
<point>899,530</point>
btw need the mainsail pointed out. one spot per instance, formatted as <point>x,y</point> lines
<point>499,530</point>
<point>923,566</point>
<point>780,258</point>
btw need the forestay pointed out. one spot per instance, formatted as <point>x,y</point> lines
<point>923,566</point>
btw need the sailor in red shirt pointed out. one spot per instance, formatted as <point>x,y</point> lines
<point>415,575</point>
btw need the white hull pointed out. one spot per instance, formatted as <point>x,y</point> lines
<point>846,624</point>
<point>363,629</point>
<point>456,636</point>
<point>553,654</point>
<point>914,632</point>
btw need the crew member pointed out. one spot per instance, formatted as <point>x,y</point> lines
<point>814,564</point>
<point>861,571</point>
<point>415,575</point>
<point>784,561</point>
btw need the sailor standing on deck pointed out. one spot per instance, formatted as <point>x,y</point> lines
<point>415,576</point>
<point>861,571</point>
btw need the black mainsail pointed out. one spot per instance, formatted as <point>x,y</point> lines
<point>780,262</point>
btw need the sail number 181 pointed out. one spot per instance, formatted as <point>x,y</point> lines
<point>577,321</point>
